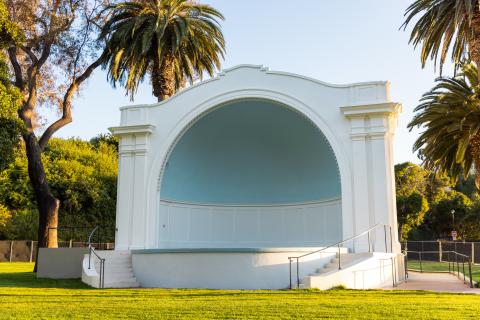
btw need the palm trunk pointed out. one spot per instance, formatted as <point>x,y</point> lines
<point>47,204</point>
<point>163,78</point>
<point>475,42</point>
<point>475,153</point>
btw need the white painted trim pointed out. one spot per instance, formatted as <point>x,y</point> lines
<point>371,109</point>
<point>234,205</point>
<point>124,130</point>
<point>261,68</point>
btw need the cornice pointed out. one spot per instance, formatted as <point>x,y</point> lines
<point>132,129</point>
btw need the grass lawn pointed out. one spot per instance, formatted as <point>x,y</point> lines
<point>435,266</point>
<point>22,296</point>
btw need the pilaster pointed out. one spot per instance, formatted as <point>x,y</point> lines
<point>131,189</point>
<point>372,132</point>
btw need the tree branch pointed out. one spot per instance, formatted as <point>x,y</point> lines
<point>17,69</point>
<point>67,104</point>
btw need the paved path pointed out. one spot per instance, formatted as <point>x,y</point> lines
<point>440,282</point>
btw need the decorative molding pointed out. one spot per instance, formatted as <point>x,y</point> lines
<point>267,71</point>
<point>377,109</point>
<point>132,129</point>
<point>235,205</point>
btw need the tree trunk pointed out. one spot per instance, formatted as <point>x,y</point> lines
<point>400,231</point>
<point>47,204</point>
<point>163,78</point>
<point>475,153</point>
<point>475,42</point>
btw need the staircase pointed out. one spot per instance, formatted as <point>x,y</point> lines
<point>358,271</point>
<point>346,260</point>
<point>118,270</point>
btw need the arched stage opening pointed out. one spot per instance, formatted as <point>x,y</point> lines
<point>250,173</point>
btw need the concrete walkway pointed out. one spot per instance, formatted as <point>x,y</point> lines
<point>440,282</point>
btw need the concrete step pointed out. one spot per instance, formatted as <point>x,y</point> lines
<point>115,269</point>
<point>119,275</point>
<point>122,284</point>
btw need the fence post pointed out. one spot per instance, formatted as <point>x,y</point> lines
<point>473,252</point>
<point>11,251</point>
<point>70,243</point>
<point>440,253</point>
<point>31,250</point>
<point>470,273</point>
<point>420,258</point>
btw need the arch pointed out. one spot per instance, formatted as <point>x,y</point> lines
<point>267,154</point>
<point>188,119</point>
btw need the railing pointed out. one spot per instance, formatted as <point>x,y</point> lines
<point>367,233</point>
<point>102,260</point>
<point>468,248</point>
<point>100,236</point>
<point>454,260</point>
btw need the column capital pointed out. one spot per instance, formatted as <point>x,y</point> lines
<point>386,109</point>
<point>134,139</point>
<point>372,120</point>
<point>133,129</point>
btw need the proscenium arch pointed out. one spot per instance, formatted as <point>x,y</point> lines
<point>267,154</point>
<point>313,113</point>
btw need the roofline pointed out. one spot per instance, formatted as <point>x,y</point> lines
<point>260,68</point>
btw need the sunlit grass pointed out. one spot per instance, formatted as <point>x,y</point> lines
<point>436,266</point>
<point>22,296</point>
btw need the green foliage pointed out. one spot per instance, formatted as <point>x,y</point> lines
<point>440,219</point>
<point>10,124</point>
<point>411,189</point>
<point>10,97</point>
<point>142,35</point>
<point>106,138</point>
<point>450,115</point>
<point>9,31</point>
<point>442,27</point>
<point>82,176</point>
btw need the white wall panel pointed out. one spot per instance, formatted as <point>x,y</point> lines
<point>198,226</point>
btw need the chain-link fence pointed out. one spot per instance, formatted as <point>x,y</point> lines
<point>436,250</point>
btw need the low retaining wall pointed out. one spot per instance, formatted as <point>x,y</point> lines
<point>60,263</point>
<point>223,268</point>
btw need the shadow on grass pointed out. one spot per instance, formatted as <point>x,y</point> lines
<point>30,280</point>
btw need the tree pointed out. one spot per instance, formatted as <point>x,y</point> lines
<point>411,188</point>
<point>82,175</point>
<point>450,115</point>
<point>57,56</point>
<point>174,41</point>
<point>440,220</point>
<point>445,26</point>
<point>10,98</point>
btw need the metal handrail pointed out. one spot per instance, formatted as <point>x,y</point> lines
<point>337,244</point>
<point>102,260</point>
<point>451,263</point>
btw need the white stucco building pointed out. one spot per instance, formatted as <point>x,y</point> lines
<point>222,183</point>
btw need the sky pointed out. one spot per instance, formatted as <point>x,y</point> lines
<point>333,41</point>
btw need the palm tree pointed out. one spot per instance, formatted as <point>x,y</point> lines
<point>173,41</point>
<point>446,25</point>
<point>450,114</point>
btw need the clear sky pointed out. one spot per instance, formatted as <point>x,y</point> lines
<point>333,41</point>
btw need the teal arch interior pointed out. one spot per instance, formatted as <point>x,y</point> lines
<point>251,152</point>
